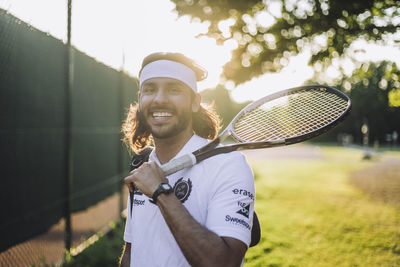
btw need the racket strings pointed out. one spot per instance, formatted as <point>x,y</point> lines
<point>289,116</point>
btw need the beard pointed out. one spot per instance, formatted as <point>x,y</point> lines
<point>167,131</point>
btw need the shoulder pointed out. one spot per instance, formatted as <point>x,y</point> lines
<point>225,166</point>
<point>197,142</point>
<point>233,159</point>
<point>230,169</point>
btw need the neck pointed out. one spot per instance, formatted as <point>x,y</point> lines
<point>167,148</point>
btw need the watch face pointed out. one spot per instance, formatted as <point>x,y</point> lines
<point>165,186</point>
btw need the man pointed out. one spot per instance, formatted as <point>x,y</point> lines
<point>199,216</point>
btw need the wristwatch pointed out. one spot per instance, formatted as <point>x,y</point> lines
<point>163,188</point>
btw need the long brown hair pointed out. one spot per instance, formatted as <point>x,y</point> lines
<point>206,123</point>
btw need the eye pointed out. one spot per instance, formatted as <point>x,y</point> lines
<point>175,89</point>
<point>148,90</point>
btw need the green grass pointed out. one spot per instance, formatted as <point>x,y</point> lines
<point>311,216</point>
<point>104,252</point>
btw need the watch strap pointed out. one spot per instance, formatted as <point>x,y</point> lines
<point>163,188</point>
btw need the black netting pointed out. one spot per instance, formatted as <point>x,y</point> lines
<point>32,130</point>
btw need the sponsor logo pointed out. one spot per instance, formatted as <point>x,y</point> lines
<point>245,209</point>
<point>241,204</point>
<point>136,162</point>
<point>243,192</point>
<point>182,189</point>
<point>237,221</point>
<point>137,202</point>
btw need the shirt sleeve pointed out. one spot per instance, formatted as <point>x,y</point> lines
<point>128,223</point>
<point>231,207</point>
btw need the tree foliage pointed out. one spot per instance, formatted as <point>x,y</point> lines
<point>269,32</point>
<point>370,88</point>
<point>222,102</point>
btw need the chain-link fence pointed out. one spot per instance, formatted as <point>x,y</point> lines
<point>33,106</point>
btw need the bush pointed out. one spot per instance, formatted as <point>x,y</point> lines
<point>104,252</point>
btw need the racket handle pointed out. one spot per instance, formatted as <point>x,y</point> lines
<point>178,164</point>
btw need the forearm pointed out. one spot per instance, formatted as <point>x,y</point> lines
<point>125,260</point>
<point>200,246</point>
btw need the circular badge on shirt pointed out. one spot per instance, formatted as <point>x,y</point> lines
<point>182,189</point>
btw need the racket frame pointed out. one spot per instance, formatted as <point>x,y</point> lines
<point>303,137</point>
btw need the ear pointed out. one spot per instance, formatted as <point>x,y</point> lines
<point>196,103</point>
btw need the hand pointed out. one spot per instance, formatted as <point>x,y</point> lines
<point>146,178</point>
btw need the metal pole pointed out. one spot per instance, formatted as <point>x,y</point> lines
<point>121,152</point>
<point>68,147</point>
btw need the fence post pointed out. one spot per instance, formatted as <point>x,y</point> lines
<point>68,147</point>
<point>121,151</point>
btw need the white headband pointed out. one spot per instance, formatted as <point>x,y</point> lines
<point>169,69</point>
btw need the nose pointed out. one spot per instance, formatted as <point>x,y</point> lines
<point>160,96</point>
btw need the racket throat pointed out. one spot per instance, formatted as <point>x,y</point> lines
<point>219,150</point>
<point>213,143</point>
<point>224,135</point>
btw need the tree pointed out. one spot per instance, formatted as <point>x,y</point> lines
<point>223,103</point>
<point>370,89</point>
<point>269,32</point>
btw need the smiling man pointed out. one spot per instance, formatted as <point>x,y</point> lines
<point>199,216</point>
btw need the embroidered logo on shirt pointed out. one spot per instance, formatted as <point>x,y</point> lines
<point>237,221</point>
<point>182,189</point>
<point>244,211</point>
<point>138,202</point>
<point>243,192</point>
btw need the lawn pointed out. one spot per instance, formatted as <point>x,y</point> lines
<point>312,215</point>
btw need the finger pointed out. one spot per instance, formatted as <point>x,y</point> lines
<point>130,187</point>
<point>159,170</point>
<point>129,183</point>
<point>127,180</point>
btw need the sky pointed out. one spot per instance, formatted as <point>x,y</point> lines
<point>120,33</point>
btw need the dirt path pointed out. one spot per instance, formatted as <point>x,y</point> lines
<point>381,182</point>
<point>298,151</point>
<point>48,248</point>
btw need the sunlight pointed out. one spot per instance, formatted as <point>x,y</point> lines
<point>38,14</point>
<point>367,51</point>
<point>133,33</point>
<point>292,76</point>
<point>122,32</point>
<point>126,29</point>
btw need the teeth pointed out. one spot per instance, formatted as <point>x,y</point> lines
<point>162,114</point>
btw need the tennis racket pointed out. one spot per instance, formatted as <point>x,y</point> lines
<point>283,118</point>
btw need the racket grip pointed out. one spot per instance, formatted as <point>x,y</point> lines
<point>178,164</point>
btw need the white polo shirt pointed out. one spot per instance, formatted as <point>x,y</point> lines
<point>218,192</point>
